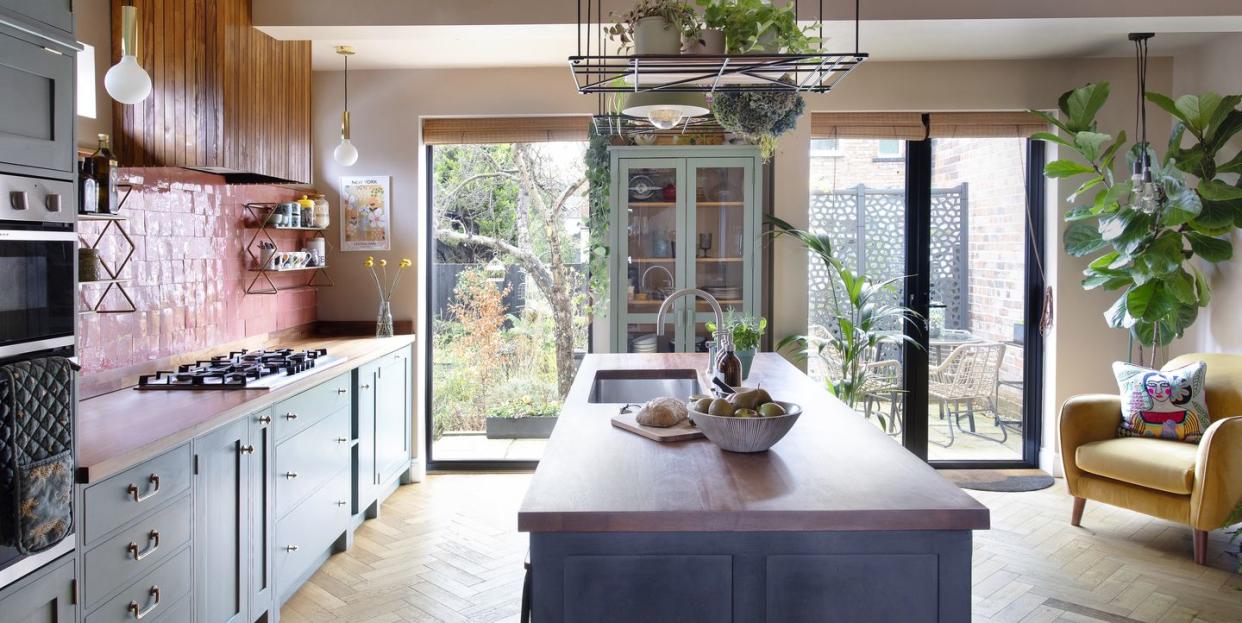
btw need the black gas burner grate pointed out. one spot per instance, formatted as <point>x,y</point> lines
<point>235,370</point>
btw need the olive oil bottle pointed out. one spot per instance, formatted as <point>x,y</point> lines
<point>103,168</point>
<point>728,366</point>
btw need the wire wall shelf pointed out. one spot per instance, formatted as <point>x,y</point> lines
<point>260,221</point>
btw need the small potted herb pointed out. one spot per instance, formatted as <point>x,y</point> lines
<point>655,27</point>
<point>747,332</point>
<point>522,418</point>
<point>756,27</point>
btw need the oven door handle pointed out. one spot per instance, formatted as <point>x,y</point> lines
<point>27,235</point>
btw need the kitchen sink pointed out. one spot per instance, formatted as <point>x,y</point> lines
<point>638,386</point>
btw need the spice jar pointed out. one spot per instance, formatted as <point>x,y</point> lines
<point>307,209</point>
<point>323,214</point>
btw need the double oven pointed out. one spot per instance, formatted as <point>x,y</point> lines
<point>38,296</point>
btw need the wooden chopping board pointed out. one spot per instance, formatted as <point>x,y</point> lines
<point>681,432</point>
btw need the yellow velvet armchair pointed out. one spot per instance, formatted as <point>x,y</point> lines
<point>1197,485</point>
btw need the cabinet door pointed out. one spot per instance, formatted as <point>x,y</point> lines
<point>392,416</point>
<point>367,477</point>
<point>36,105</point>
<point>723,219</point>
<point>45,597</point>
<point>55,13</point>
<point>651,235</point>
<point>222,503</point>
<point>262,490</point>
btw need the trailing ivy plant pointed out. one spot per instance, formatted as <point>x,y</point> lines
<point>1149,256</point>
<point>599,177</point>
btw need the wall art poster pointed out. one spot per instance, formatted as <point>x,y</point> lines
<point>366,213</point>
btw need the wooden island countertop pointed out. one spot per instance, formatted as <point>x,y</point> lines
<point>125,427</point>
<point>832,472</point>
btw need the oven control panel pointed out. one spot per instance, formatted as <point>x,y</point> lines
<point>36,199</point>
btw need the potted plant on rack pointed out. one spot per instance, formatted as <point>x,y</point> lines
<point>758,116</point>
<point>757,27</point>
<point>654,27</point>
<point>522,418</point>
<point>747,331</point>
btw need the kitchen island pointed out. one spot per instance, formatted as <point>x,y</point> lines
<point>836,522</point>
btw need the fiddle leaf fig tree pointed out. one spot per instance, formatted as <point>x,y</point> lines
<point>1143,239</point>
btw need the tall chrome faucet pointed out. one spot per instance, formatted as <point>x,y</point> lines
<point>723,337</point>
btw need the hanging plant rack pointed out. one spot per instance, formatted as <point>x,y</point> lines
<point>817,71</point>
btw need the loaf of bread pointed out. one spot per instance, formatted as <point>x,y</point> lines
<point>662,413</point>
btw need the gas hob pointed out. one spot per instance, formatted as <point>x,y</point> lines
<point>256,369</point>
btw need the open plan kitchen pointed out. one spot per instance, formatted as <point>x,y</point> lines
<point>620,311</point>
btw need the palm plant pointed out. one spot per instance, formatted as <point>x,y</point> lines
<point>863,317</point>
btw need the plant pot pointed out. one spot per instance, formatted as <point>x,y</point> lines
<point>709,41</point>
<point>539,427</point>
<point>654,35</point>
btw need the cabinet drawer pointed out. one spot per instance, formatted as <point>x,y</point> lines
<point>180,612</point>
<point>161,588</point>
<point>309,459</point>
<point>134,492</point>
<point>301,411</point>
<point>114,562</point>
<point>307,532</point>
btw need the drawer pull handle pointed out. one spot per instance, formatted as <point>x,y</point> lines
<point>137,611</point>
<point>291,548</point>
<point>291,475</point>
<point>342,440</point>
<point>291,416</point>
<point>340,502</point>
<point>341,390</point>
<point>247,449</point>
<point>153,538</point>
<point>265,419</point>
<point>367,386</point>
<point>155,488</point>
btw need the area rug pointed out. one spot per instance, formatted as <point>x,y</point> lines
<point>1008,480</point>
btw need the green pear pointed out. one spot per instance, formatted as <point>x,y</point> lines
<point>771,409</point>
<point>720,407</point>
<point>745,413</point>
<point>702,405</point>
<point>748,399</point>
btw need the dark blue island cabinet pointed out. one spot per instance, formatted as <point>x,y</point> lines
<point>835,523</point>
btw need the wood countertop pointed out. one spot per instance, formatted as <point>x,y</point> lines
<point>832,472</point>
<point>125,427</point>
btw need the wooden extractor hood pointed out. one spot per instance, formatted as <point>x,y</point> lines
<point>226,98</point>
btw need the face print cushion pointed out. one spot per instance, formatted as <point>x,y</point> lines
<point>1167,404</point>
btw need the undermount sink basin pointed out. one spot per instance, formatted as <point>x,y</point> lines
<point>638,386</point>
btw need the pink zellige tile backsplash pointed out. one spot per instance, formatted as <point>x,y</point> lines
<point>188,273</point>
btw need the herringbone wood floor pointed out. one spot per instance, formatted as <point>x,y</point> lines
<point>446,550</point>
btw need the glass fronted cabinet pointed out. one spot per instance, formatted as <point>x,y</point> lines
<point>683,217</point>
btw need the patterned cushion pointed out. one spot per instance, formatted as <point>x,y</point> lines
<point>1167,404</point>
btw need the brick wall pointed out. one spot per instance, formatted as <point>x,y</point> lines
<point>858,162</point>
<point>188,272</point>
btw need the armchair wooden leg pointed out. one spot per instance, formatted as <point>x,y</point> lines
<point>1076,517</point>
<point>1201,547</point>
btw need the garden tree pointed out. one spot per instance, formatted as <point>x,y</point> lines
<point>473,210</point>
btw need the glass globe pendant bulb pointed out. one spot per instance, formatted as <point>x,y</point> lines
<point>666,118</point>
<point>1149,200</point>
<point>127,82</point>
<point>345,154</point>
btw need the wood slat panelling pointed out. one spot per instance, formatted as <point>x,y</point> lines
<point>224,93</point>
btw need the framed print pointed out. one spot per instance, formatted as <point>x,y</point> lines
<point>366,213</point>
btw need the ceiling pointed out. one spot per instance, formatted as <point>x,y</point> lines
<point>533,45</point>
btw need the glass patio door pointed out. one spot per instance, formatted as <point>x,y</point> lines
<point>655,229</point>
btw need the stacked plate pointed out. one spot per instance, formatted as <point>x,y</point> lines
<point>725,292</point>
<point>649,343</point>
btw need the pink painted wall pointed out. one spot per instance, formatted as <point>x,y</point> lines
<point>188,273</point>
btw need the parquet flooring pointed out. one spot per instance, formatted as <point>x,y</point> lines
<point>446,550</point>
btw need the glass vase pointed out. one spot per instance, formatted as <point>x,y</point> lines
<point>383,321</point>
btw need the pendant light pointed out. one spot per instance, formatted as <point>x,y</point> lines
<point>1145,194</point>
<point>665,110</point>
<point>127,82</point>
<point>345,153</point>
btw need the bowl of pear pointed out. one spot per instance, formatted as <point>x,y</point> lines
<point>746,421</point>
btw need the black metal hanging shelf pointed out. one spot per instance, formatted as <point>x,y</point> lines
<point>595,71</point>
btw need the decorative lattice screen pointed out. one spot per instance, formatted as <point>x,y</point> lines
<point>878,219</point>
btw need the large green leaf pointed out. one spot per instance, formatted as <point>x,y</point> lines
<point>1182,286</point>
<point>1080,105</point>
<point>1053,138</point>
<point>1216,190</point>
<point>1111,153</point>
<point>1232,166</point>
<point>1182,204</point>
<point>1220,128</point>
<point>1169,106</point>
<point>1085,186</point>
<point>1198,110</point>
<point>1082,239</point>
<point>1104,262</point>
<point>1066,168</point>
<point>1108,282</point>
<point>1089,144</point>
<point>1164,254</point>
<point>1056,123</point>
<point>1149,301</point>
<point>1203,289</point>
<point>1080,213</point>
<point>1117,316</point>
<point>1211,249</point>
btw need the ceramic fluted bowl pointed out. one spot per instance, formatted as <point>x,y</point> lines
<point>750,434</point>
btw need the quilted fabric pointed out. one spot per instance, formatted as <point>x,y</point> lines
<point>36,430</point>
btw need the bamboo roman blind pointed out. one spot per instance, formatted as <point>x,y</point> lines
<point>906,126</point>
<point>984,124</point>
<point>504,130</point>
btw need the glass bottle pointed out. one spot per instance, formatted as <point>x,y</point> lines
<point>88,188</point>
<point>728,366</point>
<point>105,172</point>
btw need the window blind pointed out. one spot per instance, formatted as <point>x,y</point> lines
<point>906,126</point>
<point>504,130</point>
<point>984,124</point>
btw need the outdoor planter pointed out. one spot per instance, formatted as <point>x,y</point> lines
<point>525,427</point>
